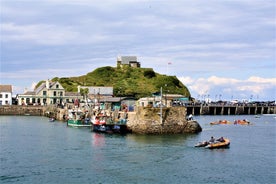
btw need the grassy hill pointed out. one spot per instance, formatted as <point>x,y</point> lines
<point>127,81</point>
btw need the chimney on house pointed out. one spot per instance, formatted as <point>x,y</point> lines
<point>47,84</point>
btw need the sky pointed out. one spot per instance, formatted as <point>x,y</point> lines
<point>219,49</point>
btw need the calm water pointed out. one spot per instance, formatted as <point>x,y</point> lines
<point>34,150</point>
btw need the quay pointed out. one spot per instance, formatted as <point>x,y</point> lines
<point>201,109</point>
<point>144,120</point>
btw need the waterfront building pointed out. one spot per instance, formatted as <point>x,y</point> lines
<point>167,100</point>
<point>47,93</point>
<point>5,95</point>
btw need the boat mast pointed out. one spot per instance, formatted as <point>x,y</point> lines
<point>161,119</point>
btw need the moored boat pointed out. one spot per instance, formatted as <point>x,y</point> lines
<point>104,123</point>
<point>76,118</point>
<point>52,119</point>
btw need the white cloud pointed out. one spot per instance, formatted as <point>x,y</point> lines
<point>229,88</point>
<point>218,44</point>
<point>37,33</point>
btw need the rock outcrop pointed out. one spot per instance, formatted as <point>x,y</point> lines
<point>148,121</point>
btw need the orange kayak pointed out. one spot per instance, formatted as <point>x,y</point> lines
<point>221,122</point>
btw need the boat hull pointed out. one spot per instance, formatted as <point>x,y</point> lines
<point>215,145</point>
<point>119,129</point>
<point>77,123</point>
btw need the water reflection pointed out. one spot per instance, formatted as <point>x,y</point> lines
<point>161,139</point>
<point>98,140</point>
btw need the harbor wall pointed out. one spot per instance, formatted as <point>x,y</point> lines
<point>142,121</point>
<point>22,110</point>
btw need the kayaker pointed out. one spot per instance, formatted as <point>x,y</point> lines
<point>221,139</point>
<point>212,140</point>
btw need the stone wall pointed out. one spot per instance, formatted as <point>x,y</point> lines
<point>147,121</point>
<point>142,121</point>
<point>21,110</point>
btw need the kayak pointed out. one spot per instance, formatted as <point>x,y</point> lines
<point>221,122</point>
<point>224,144</point>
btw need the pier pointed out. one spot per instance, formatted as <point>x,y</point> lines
<point>209,109</point>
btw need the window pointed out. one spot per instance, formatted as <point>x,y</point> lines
<point>57,86</point>
<point>1,96</point>
<point>61,94</point>
<point>44,93</point>
<point>7,96</point>
<point>55,93</point>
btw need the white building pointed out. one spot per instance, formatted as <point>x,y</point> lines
<point>47,93</point>
<point>5,95</point>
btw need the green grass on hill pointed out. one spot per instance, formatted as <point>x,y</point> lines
<point>126,81</point>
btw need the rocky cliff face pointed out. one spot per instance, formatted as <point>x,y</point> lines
<point>148,121</point>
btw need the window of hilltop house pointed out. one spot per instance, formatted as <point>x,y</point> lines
<point>7,96</point>
<point>61,94</point>
<point>55,93</point>
<point>1,96</point>
<point>44,93</point>
<point>57,86</point>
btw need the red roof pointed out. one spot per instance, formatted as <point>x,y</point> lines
<point>6,88</point>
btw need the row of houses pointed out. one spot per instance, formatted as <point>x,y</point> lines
<point>49,93</point>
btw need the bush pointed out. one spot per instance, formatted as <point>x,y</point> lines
<point>149,74</point>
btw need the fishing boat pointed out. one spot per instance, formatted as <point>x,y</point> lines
<point>99,123</point>
<point>104,123</point>
<point>219,144</point>
<point>76,118</point>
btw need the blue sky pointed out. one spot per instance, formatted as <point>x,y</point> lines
<point>218,48</point>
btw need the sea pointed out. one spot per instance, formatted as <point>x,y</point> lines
<point>34,150</point>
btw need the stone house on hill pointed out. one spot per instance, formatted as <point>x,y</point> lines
<point>130,61</point>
